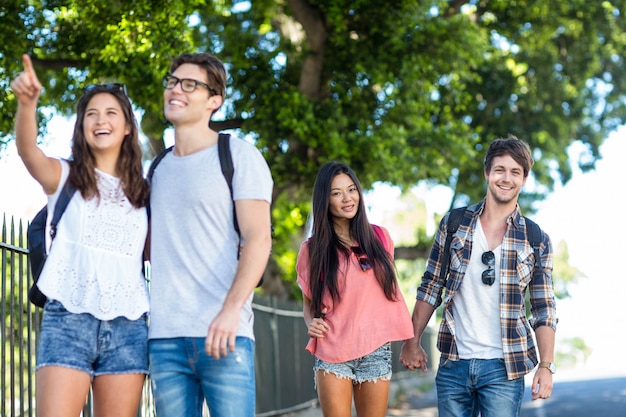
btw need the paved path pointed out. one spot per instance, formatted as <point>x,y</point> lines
<point>604,391</point>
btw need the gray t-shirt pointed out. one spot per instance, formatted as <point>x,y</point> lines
<point>194,244</point>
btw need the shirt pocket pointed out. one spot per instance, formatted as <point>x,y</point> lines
<point>525,266</point>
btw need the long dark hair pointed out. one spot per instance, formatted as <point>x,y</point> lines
<point>129,166</point>
<point>325,247</point>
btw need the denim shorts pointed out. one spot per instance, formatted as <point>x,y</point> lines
<point>369,368</point>
<point>96,347</point>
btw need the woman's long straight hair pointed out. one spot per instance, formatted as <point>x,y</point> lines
<point>326,248</point>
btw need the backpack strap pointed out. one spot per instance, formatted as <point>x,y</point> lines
<point>228,169</point>
<point>157,159</point>
<point>533,233</point>
<point>226,163</point>
<point>59,208</point>
<point>454,220</point>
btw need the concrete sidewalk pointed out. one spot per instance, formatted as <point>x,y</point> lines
<point>410,395</point>
<point>413,394</point>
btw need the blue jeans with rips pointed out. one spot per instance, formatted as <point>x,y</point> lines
<point>183,376</point>
<point>468,387</point>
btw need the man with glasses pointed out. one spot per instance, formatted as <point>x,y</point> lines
<point>485,339</point>
<point>201,325</point>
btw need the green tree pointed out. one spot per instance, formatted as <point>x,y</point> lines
<point>404,92</point>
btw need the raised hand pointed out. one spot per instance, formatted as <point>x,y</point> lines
<point>26,86</point>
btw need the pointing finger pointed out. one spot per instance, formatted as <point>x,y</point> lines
<point>28,65</point>
<point>32,82</point>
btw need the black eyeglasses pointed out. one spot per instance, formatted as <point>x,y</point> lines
<point>489,274</point>
<point>108,87</point>
<point>363,261</point>
<point>186,84</point>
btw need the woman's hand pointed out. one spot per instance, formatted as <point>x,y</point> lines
<point>318,326</point>
<point>26,86</point>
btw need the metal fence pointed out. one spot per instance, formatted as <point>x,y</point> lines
<point>284,375</point>
<point>19,319</point>
<point>283,368</point>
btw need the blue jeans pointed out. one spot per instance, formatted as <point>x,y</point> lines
<point>470,386</point>
<point>183,376</point>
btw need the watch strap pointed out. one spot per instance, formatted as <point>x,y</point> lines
<point>549,365</point>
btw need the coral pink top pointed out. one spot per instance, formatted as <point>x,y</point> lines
<point>364,319</point>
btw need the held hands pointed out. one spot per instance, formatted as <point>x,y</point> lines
<point>413,356</point>
<point>318,327</point>
<point>26,86</point>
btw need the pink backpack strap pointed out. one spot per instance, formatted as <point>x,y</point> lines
<point>381,236</point>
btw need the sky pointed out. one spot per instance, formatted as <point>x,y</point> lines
<point>585,213</point>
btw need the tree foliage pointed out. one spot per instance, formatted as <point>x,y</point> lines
<point>404,92</point>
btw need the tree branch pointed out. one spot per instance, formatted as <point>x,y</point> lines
<point>226,124</point>
<point>57,63</point>
<point>314,27</point>
<point>411,253</point>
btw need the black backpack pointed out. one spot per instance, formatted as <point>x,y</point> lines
<point>228,170</point>
<point>36,236</point>
<point>454,219</point>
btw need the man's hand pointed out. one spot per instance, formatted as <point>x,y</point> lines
<point>542,384</point>
<point>222,333</point>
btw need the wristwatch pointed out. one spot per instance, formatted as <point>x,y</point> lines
<point>550,365</point>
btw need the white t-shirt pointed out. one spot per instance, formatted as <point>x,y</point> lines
<point>193,242</point>
<point>476,306</point>
<point>96,259</point>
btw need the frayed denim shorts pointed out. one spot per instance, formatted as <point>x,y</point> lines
<point>369,368</point>
<point>87,344</point>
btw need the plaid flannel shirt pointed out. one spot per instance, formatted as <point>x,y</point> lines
<point>516,275</point>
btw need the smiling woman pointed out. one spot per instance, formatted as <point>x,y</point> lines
<point>347,264</point>
<point>102,237</point>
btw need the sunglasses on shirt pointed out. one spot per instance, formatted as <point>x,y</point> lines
<point>360,255</point>
<point>489,274</point>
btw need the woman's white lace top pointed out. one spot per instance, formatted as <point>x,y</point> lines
<point>95,261</point>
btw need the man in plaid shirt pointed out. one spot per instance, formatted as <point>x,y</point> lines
<point>485,339</point>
